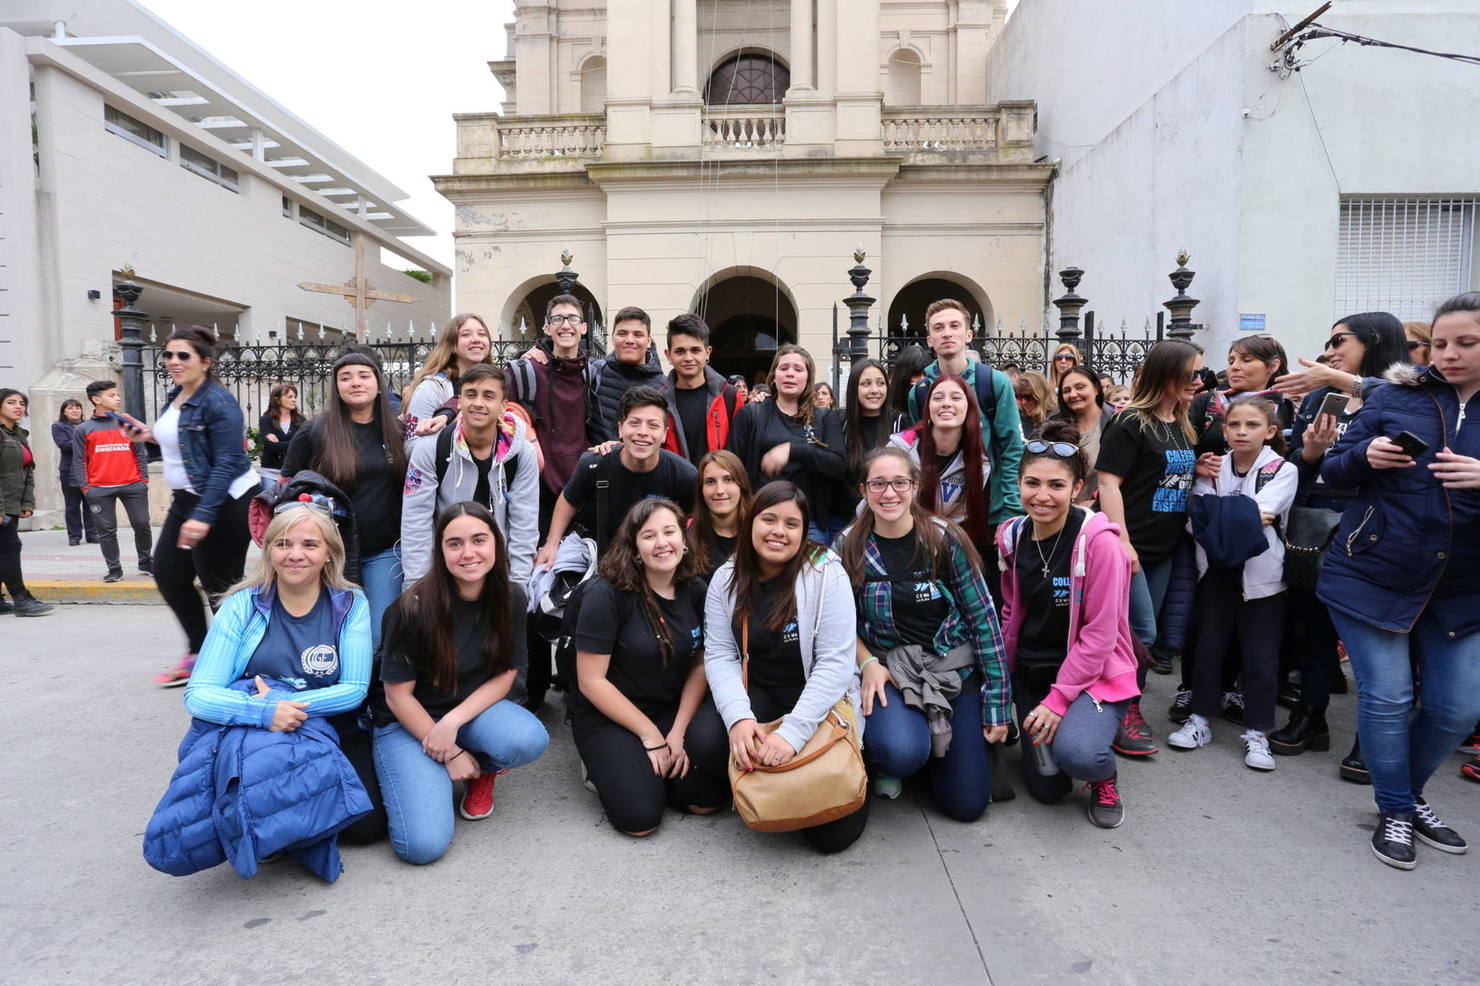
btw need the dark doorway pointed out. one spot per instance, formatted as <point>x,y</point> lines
<point>748,319</point>
<point>532,310</point>
<point>907,310</point>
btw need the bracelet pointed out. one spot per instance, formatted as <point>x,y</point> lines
<point>655,749</point>
<point>866,661</point>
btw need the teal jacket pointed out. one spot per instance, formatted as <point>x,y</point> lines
<point>1002,429</point>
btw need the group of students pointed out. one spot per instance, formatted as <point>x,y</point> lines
<point>934,548</point>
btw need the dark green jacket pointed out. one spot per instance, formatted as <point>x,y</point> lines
<point>17,482</point>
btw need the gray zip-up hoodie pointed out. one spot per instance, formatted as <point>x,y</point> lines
<point>827,633</point>
<point>516,510</point>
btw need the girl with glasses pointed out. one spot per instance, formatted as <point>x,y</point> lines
<point>1420,342</point>
<point>1064,356</point>
<point>1066,623</point>
<point>925,619</point>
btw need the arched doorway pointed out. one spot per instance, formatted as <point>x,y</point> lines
<point>530,310</point>
<point>749,316</point>
<point>907,310</point>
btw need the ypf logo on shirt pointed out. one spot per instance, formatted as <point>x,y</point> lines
<point>320,660</point>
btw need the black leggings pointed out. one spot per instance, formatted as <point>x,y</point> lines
<point>632,795</point>
<point>10,557</point>
<point>829,837</point>
<point>354,743</point>
<point>217,561</point>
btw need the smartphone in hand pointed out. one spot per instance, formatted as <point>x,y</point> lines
<point>1333,404</point>
<point>1411,444</point>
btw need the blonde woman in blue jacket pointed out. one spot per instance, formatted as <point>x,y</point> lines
<point>301,633</point>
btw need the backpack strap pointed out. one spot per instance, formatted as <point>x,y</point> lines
<point>603,485</point>
<point>444,451</point>
<point>986,391</point>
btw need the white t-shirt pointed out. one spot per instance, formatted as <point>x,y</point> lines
<point>167,435</point>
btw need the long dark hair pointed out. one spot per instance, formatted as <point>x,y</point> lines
<point>338,455</point>
<point>275,404</point>
<point>909,364</point>
<point>853,417</point>
<point>424,613</point>
<point>806,403</point>
<point>745,580</point>
<point>701,530</point>
<point>978,503</point>
<point>621,566</point>
<point>1382,334</point>
<point>930,536</point>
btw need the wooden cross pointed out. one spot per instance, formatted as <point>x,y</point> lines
<point>360,293</point>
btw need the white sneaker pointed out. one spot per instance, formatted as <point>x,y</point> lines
<point>1256,751</point>
<point>1193,734</point>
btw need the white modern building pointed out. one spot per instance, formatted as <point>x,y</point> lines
<point>127,146</point>
<point>728,158</point>
<point>1307,183</point>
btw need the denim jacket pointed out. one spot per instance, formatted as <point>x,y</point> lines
<point>212,433</point>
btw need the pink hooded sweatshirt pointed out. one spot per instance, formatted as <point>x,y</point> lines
<point>1101,659</point>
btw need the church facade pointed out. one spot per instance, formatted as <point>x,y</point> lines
<point>728,158</point>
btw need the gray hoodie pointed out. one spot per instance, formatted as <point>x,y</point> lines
<point>515,510</point>
<point>828,635</point>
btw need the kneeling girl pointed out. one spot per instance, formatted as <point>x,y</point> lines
<point>925,617</point>
<point>1066,620</point>
<point>453,647</point>
<point>644,732</point>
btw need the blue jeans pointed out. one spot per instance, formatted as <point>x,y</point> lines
<point>1402,754</point>
<point>416,788</point>
<point>1148,593</point>
<point>825,530</point>
<point>380,577</point>
<point>896,741</point>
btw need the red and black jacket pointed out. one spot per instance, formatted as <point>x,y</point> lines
<point>719,413</point>
<point>103,456</point>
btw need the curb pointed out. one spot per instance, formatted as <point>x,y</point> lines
<point>126,592</point>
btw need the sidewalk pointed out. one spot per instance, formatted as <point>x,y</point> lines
<point>60,573</point>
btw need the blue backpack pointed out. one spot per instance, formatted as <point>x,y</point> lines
<point>986,392</point>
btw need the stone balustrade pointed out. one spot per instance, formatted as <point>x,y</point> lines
<point>742,128</point>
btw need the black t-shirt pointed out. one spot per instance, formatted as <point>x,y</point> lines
<point>1044,636</point>
<point>817,467</point>
<point>615,622</point>
<point>918,605</point>
<point>376,496</point>
<point>1155,463</point>
<point>469,626</point>
<point>720,549</point>
<point>775,657</point>
<point>693,406</point>
<point>674,478</point>
<point>480,488</point>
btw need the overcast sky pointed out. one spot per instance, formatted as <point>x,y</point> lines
<point>381,79</point>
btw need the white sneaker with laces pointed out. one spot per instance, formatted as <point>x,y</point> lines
<point>1193,734</point>
<point>1256,751</point>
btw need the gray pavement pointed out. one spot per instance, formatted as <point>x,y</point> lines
<point>1220,874</point>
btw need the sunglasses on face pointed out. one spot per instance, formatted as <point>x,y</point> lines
<point>877,486</point>
<point>1068,356</point>
<point>1062,450</point>
<point>183,355</point>
<point>1415,344</point>
<point>561,319</point>
<point>1338,339</point>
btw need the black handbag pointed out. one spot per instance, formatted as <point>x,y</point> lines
<point>1306,537</point>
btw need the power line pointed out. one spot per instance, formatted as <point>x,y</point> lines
<point>1317,31</point>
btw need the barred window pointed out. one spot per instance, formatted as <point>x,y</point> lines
<point>1403,255</point>
<point>748,78</point>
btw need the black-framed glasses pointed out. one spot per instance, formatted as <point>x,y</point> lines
<point>1061,449</point>
<point>898,485</point>
<point>1338,339</point>
<point>560,319</point>
<point>183,355</point>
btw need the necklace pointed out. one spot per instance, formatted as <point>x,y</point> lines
<point>1052,552</point>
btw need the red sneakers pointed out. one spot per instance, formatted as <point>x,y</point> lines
<point>477,799</point>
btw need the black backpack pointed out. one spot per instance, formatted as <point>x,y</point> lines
<point>565,644</point>
<point>445,453</point>
<point>307,486</point>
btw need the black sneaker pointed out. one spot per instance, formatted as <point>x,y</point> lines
<point>1426,826</point>
<point>1233,707</point>
<point>6,606</point>
<point>1353,767</point>
<point>144,566</point>
<point>31,606</point>
<point>1161,665</point>
<point>1134,737</point>
<point>1106,809</point>
<point>114,575</point>
<point>1181,705</point>
<point>1392,841</point>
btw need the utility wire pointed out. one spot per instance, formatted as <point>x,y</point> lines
<point>1318,31</point>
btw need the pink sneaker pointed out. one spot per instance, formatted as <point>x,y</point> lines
<point>177,675</point>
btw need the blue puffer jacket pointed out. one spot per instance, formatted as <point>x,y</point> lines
<point>1406,543</point>
<point>211,435</point>
<point>242,793</point>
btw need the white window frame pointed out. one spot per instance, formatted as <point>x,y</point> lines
<point>161,148</point>
<point>210,169</point>
<point>325,226</point>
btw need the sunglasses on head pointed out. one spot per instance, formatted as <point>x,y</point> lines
<point>1416,344</point>
<point>1339,338</point>
<point>1062,450</point>
<point>183,355</point>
